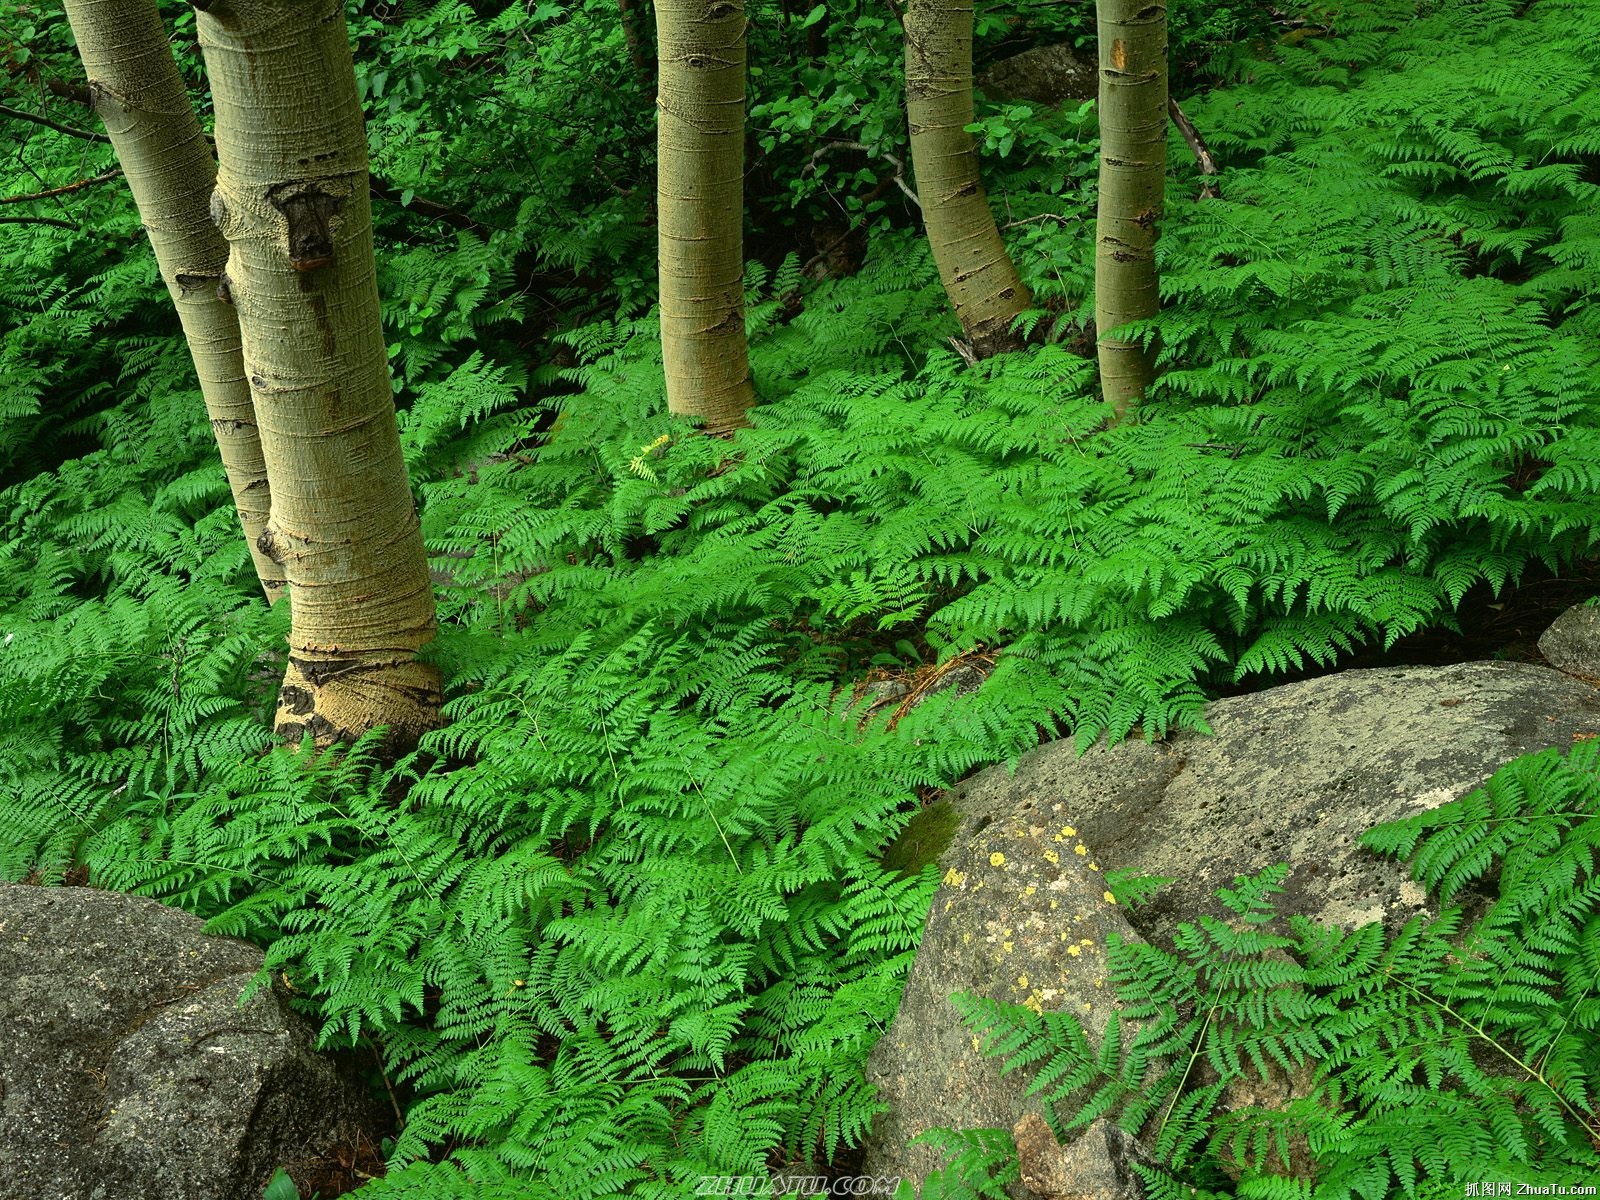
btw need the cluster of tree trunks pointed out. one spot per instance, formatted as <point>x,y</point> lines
<point>700,157</point>
<point>268,256</point>
<point>267,253</point>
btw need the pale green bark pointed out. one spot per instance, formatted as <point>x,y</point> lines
<point>977,273</point>
<point>135,87</point>
<point>292,202</point>
<point>700,195</point>
<point>1133,164</point>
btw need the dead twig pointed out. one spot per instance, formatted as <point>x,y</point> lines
<point>56,221</point>
<point>382,189</point>
<point>1197,144</point>
<point>1042,217</point>
<point>50,193</point>
<point>863,148</point>
<point>18,114</point>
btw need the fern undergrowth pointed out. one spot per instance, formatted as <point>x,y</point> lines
<point>623,923</point>
<point>1454,1051</point>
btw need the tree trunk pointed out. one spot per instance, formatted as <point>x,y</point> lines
<point>1133,165</point>
<point>292,202</point>
<point>700,51</point>
<point>135,87</point>
<point>977,272</point>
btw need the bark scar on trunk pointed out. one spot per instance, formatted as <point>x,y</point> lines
<point>270,545</point>
<point>697,61</point>
<point>319,671</point>
<point>296,700</point>
<point>734,320</point>
<point>193,281</point>
<point>309,213</point>
<point>101,95</point>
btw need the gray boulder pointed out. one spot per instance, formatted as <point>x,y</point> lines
<point>1572,644</point>
<point>1045,74</point>
<point>129,1070</point>
<point>1096,1165</point>
<point>1022,915</point>
<point>1293,774</point>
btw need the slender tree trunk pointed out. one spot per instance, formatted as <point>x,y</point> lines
<point>1133,165</point>
<point>135,87</point>
<point>978,274</point>
<point>700,49</point>
<point>292,202</point>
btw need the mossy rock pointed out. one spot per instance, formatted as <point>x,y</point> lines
<point>924,839</point>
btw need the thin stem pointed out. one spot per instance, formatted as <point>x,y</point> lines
<point>1533,1073</point>
<point>50,193</point>
<point>19,114</point>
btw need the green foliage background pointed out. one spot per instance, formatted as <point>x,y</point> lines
<point>624,923</point>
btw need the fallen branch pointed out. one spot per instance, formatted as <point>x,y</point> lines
<point>62,191</point>
<point>862,147</point>
<point>1197,145</point>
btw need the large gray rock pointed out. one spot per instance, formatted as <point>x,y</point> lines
<point>1045,74</point>
<point>130,1072</point>
<point>1294,774</point>
<point>1572,644</point>
<point>1022,915</point>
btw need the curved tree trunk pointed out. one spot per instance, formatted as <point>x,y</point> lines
<point>1133,164</point>
<point>135,87</point>
<point>292,202</point>
<point>700,51</point>
<point>978,274</point>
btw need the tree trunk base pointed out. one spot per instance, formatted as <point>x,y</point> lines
<point>336,700</point>
<point>995,338</point>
